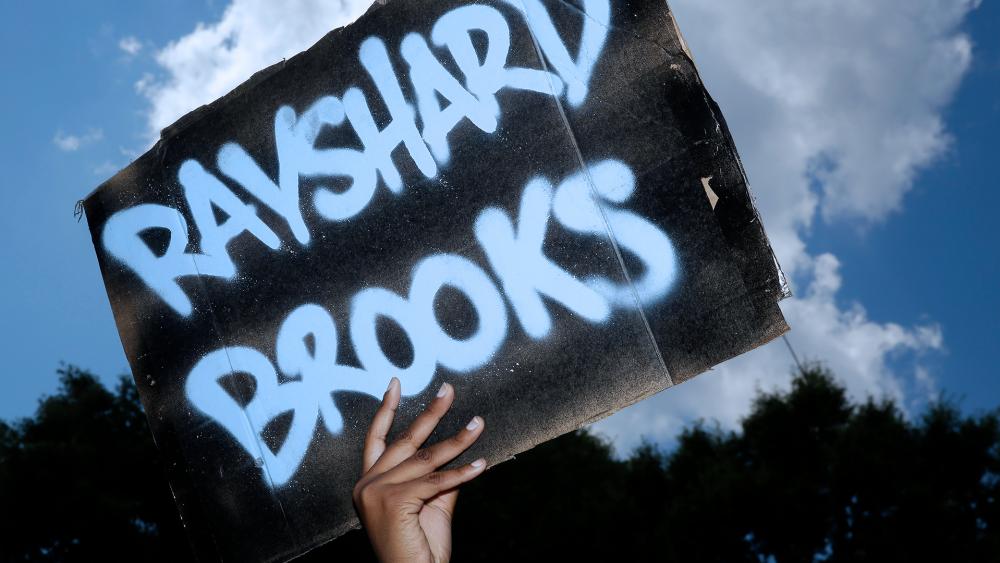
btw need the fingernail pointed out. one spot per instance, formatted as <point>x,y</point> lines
<point>443,390</point>
<point>478,464</point>
<point>473,424</point>
<point>392,383</point>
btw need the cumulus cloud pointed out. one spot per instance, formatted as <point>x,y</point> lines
<point>215,58</point>
<point>835,107</point>
<point>72,143</point>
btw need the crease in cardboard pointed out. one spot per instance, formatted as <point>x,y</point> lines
<point>597,200</point>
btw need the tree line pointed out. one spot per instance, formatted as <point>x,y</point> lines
<point>808,476</point>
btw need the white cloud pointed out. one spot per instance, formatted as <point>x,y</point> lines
<point>858,350</point>
<point>252,34</point>
<point>130,45</point>
<point>72,143</point>
<point>835,106</point>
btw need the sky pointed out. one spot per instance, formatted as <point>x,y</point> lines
<point>868,131</point>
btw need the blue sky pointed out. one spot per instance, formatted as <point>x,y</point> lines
<point>940,258</point>
<point>76,80</point>
<point>926,265</point>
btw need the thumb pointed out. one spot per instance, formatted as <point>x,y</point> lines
<point>446,502</point>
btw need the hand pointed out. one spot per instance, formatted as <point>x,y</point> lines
<point>405,503</point>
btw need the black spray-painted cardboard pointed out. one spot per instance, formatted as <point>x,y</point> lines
<point>533,200</point>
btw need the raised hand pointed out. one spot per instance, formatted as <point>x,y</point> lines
<point>405,503</point>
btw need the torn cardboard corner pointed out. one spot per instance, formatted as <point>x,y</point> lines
<point>533,200</point>
<point>713,198</point>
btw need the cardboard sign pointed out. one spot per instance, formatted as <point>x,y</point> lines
<point>533,200</point>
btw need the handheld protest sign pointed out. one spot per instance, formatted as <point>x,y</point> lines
<point>533,200</point>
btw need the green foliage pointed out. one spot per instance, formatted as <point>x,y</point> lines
<point>809,476</point>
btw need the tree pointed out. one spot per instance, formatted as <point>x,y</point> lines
<point>81,481</point>
<point>812,476</point>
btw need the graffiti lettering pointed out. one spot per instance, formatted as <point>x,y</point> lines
<point>298,158</point>
<point>613,182</point>
<point>577,72</point>
<point>525,273</point>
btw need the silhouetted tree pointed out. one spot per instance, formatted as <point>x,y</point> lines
<point>809,476</point>
<point>80,481</point>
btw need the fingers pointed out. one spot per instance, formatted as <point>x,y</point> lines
<point>428,459</point>
<point>411,440</point>
<point>381,423</point>
<point>433,484</point>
